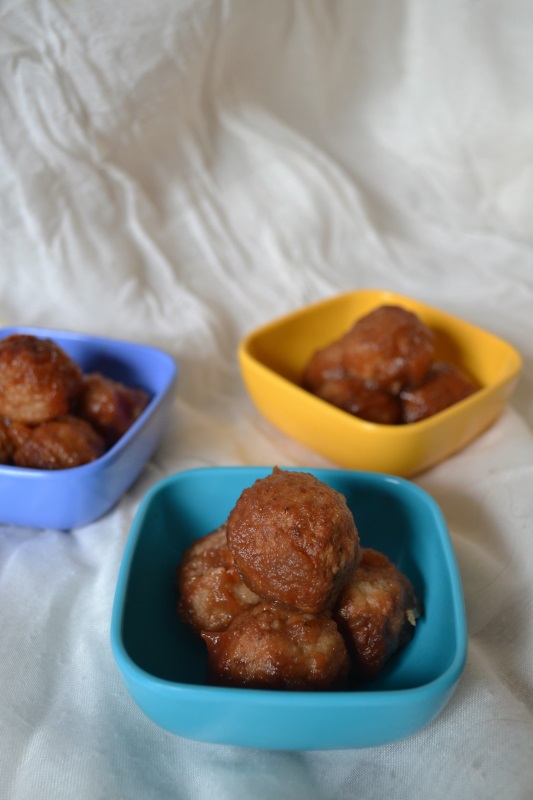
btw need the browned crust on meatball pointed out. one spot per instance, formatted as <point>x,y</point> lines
<point>361,400</point>
<point>110,406</point>
<point>389,348</point>
<point>364,371</point>
<point>376,613</point>
<point>211,592</point>
<point>324,365</point>
<point>59,444</point>
<point>294,540</point>
<point>444,385</point>
<point>38,380</point>
<point>271,647</point>
<point>6,443</point>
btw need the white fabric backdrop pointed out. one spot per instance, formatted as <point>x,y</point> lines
<point>179,171</point>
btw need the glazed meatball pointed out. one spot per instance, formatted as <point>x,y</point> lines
<point>110,406</point>
<point>60,444</point>
<point>294,540</point>
<point>376,613</point>
<point>6,443</point>
<point>38,380</point>
<point>324,365</point>
<point>389,348</point>
<point>444,385</point>
<point>354,396</point>
<point>211,592</point>
<point>271,647</point>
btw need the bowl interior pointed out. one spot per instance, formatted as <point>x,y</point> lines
<point>392,515</point>
<point>285,345</point>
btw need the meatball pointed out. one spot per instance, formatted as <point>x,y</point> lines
<point>294,540</point>
<point>324,365</point>
<point>211,592</point>
<point>271,647</point>
<point>6,443</point>
<point>443,386</point>
<point>354,396</point>
<point>389,348</point>
<point>110,406</point>
<point>376,613</point>
<point>38,380</point>
<point>60,444</point>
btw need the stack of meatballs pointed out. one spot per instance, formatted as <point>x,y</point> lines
<point>285,597</point>
<point>384,370</point>
<point>52,416</point>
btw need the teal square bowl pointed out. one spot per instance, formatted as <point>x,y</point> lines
<point>163,664</point>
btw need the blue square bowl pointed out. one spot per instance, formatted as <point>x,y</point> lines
<point>163,664</point>
<point>69,498</point>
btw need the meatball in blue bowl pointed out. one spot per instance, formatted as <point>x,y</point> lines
<point>79,417</point>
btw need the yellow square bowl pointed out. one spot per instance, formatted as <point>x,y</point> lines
<point>272,359</point>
